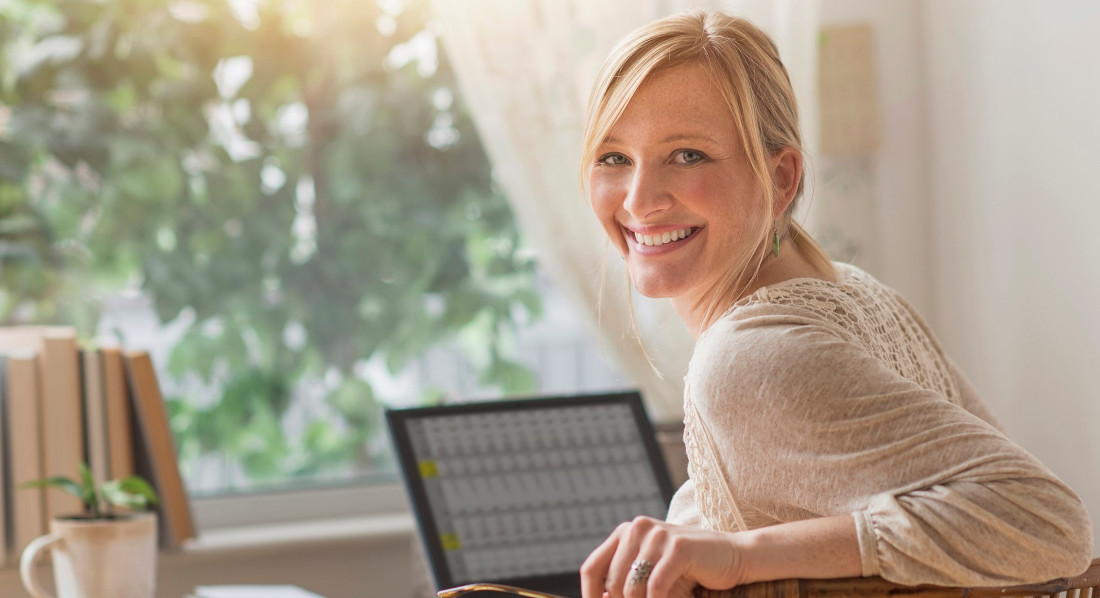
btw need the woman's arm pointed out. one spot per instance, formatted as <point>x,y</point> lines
<point>823,548</point>
<point>803,423</point>
<point>685,557</point>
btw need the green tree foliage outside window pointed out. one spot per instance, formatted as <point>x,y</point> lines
<point>295,179</point>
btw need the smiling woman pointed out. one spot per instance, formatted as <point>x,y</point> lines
<point>828,434</point>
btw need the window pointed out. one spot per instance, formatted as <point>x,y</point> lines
<point>286,202</point>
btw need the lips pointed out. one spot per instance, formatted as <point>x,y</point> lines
<point>665,237</point>
<point>658,242</point>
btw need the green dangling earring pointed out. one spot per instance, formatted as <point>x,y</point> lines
<point>775,242</point>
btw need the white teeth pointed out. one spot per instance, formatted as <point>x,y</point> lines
<point>662,238</point>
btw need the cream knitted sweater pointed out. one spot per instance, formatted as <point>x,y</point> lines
<point>811,398</point>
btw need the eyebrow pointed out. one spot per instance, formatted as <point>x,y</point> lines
<point>670,138</point>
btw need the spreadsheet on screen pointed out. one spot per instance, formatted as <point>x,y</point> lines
<point>532,491</point>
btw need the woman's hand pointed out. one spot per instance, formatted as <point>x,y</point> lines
<point>680,557</point>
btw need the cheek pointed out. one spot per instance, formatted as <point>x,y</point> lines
<point>709,193</point>
<point>605,196</point>
<point>727,202</point>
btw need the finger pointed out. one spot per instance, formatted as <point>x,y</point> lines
<point>651,558</point>
<point>594,569</point>
<point>638,581</point>
<point>684,558</point>
<point>619,574</point>
<point>667,577</point>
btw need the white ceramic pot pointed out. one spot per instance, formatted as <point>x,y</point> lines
<point>96,558</point>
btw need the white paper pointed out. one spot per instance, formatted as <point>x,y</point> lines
<point>245,591</point>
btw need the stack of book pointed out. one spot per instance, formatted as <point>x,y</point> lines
<point>60,405</point>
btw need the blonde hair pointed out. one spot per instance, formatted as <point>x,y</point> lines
<point>744,65</point>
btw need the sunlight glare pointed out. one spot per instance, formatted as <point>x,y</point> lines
<point>422,48</point>
<point>188,12</point>
<point>231,74</point>
<point>247,12</point>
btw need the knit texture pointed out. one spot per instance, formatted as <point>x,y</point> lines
<point>811,398</point>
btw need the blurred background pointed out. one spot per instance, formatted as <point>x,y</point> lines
<point>288,204</point>
<point>309,211</point>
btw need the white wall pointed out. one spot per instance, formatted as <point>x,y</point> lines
<point>1014,107</point>
<point>895,235</point>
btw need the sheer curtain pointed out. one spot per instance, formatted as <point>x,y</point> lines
<point>525,68</point>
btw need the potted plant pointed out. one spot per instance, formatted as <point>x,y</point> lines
<point>101,551</point>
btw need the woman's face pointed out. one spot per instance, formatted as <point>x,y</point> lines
<point>673,188</point>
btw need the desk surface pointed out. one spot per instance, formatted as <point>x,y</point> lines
<point>348,566</point>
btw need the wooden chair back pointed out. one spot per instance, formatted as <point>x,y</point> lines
<point>1086,585</point>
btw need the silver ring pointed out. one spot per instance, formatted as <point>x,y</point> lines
<point>641,570</point>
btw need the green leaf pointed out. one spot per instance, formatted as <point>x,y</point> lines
<point>132,492</point>
<point>87,490</point>
<point>53,50</point>
<point>63,483</point>
<point>13,162</point>
<point>19,224</point>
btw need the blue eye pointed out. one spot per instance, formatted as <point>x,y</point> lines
<point>689,156</point>
<point>612,159</point>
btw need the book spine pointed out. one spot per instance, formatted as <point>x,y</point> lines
<point>95,425</point>
<point>120,433</point>
<point>5,479</point>
<point>157,449</point>
<point>27,505</point>
<point>62,416</point>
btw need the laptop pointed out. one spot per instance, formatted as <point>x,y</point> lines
<point>519,492</point>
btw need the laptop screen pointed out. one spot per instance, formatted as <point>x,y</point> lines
<point>521,491</point>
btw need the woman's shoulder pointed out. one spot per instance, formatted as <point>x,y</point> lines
<point>768,358</point>
<point>776,326</point>
<point>850,303</point>
<point>852,288</point>
<point>817,326</point>
<point>792,301</point>
<point>798,317</point>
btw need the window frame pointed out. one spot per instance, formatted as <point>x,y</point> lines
<point>378,499</point>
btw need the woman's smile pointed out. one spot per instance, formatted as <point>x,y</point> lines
<point>657,241</point>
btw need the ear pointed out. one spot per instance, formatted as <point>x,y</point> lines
<point>786,171</point>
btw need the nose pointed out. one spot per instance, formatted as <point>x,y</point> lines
<point>648,193</point>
